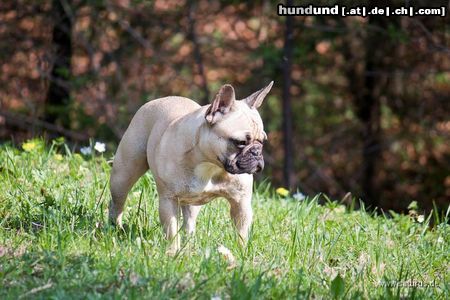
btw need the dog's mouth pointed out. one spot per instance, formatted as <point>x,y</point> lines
<point>250,160</point>
<point>249,166</point>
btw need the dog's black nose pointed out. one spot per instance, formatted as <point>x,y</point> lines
<point>260,166</point>
<point>256,151</point>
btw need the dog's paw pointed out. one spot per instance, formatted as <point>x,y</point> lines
<point>123,227</point>
<point>171,252</point>
<point>118,226</point>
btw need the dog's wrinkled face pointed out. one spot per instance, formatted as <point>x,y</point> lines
<point>236,133</point>
<point>247,160</point>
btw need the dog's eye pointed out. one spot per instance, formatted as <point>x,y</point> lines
<point>239,143</point>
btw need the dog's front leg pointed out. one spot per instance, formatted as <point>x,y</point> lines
<point>242,215</point>
<point>168,216</point>
<point>190,214</point>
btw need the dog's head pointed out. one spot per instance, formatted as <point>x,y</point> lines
<point>235,131</point>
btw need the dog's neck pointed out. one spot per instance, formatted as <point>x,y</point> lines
<point>195,154</point>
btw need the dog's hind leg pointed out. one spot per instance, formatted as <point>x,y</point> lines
<point>130,163</point>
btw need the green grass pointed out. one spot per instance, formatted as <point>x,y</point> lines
<point>54,242</point>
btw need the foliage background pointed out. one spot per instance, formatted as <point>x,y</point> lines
<point>364,92</point>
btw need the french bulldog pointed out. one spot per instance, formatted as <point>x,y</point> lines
<point>195,153</point>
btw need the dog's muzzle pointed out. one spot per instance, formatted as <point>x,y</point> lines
<point>250,160</point>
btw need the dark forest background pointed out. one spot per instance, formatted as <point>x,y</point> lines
<point>359,105</point>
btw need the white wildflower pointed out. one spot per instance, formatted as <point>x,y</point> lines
<point>389,243</point>
<point>440,239</point>
<point>138,242</point>
<point>340,209</point>
<point>228,256</point>
<point>185,283</point>
<point>330,271</point>
<point>363,261</point>
<point>100,147</point>
<point>134,278</point>
<point>299,196</point>
<point>86,150</point>
<point>378,270</point>
<point>207,253</point>
<point>420,218</point>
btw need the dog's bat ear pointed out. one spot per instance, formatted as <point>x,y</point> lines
<point>221,105</point>
<point>255,100</point>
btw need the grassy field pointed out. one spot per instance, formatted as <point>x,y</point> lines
<point>55,242</point>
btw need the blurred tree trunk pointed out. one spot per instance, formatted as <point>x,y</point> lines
<point>58,94</point>
<point>368,63</point>
<point>369,114</point>
<point>368,105</point>
<point>192,35</point>
<point>287,113</point>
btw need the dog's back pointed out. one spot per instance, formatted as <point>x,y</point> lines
<point>166,109</point>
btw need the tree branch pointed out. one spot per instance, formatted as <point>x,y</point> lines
<point>22,121</point>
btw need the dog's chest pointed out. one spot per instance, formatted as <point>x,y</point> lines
<point>205,185</point>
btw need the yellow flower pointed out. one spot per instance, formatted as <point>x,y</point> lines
<point>58,157</point>
<point>282,191</point>
<point>29,146</point>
